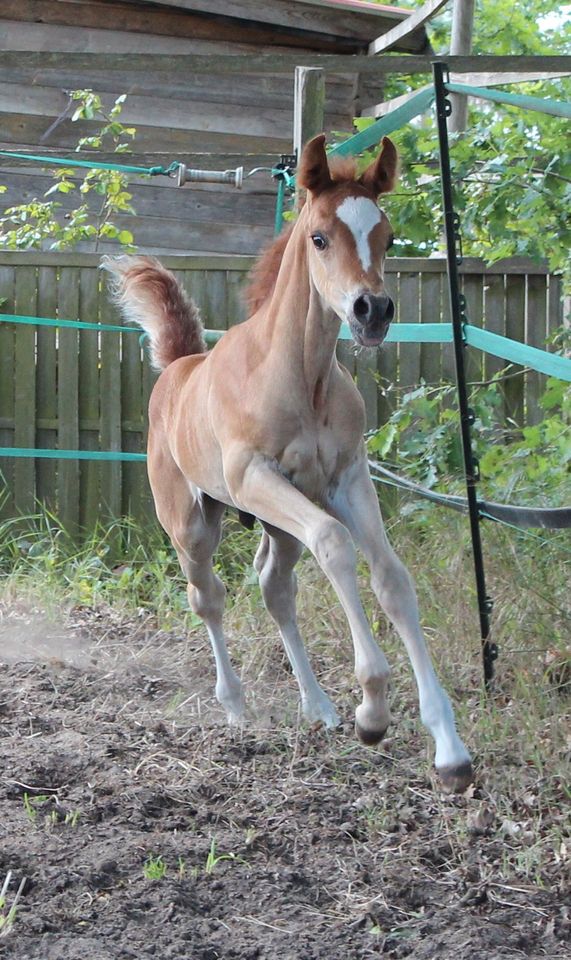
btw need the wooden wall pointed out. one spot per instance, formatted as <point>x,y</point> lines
<point>207,120</point>
<point>76,389</point>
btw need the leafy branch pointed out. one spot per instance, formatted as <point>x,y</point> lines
<point>41,223</point>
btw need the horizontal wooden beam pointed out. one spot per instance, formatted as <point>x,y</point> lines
<point>175,23</point>
<point>357,21</point>
<point>487,79</point>
<point>512,265</point>
<point>274,23</point>
<point>187,66</point>
<point>31,128</point>
<point>158,197</point>
<point>248,121</point>
<point>41,258</point>
<point>404,29</point>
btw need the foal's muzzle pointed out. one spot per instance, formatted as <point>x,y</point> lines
<point>371,319</point>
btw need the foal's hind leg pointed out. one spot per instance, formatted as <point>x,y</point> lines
<point>193,521</point>
<point>276,557</point>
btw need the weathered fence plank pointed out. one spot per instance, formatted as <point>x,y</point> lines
<point>110,409</point>
<point>68,399</point>
<point>89,394</point>
<point>535,335</point>
<point>448,362</point>
<point>7,382</point>
<point>132,424</point>
<point>515,329</point>
<point>409,312</point>
<point>25,390</point>
<point>216,301</point>
<point>46,388</point>
<point>430,312</point>
<point>494,320</point>
<point>554,304</point>
<point>472,288</point>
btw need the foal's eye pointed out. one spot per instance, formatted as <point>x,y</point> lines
<point>319,241</point>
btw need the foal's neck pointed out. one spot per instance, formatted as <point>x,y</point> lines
<point>303,332</point>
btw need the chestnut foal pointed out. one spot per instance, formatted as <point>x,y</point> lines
<point>270,423</point>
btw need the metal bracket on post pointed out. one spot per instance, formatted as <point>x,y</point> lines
<point>283,173</point>
<point>457,311</point>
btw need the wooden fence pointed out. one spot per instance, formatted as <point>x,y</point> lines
<point>88,390</point>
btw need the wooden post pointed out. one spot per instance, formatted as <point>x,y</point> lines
<point>460,43</point>
<point>308,108</point>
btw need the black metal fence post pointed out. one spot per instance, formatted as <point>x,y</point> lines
<point>457,311</point>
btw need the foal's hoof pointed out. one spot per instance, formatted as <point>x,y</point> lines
<point>456,779</point>
<point>367,736</point>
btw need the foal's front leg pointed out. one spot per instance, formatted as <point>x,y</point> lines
<point>257,487</point>
<point>355,503</point>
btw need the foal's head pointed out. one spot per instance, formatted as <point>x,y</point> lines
<point>347,237</point>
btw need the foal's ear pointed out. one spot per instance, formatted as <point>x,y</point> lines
<point>313,172</point>
<point>381,175</point>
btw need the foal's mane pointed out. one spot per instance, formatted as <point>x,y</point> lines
<point>264,273</point>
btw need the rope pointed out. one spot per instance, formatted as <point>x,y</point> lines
<point>40,454</point>
<point>555,108</point>
<point>424,99</point>
<point>75,324</point>
<point>558,518</point>
<point>409,333</point>
<point>388,124</point>
<point>527,533</point>
<point>551,364</point>
<point>94,165</point>
<point>555,519</point>
<point>211,336</point>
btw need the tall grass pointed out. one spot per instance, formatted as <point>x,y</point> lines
<point>123,565</point>
<point>118,563</point>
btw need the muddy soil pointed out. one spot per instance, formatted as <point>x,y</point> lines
<point>146,828</point>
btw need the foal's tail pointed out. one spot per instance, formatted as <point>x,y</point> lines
<point>151,296</point>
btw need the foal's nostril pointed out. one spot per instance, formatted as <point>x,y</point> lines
<point>371,309</point>
<point>361,308</point>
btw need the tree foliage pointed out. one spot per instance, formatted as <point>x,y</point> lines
<point>531,463</point>
<point>512,168</point>
<point>512,174</point>
<point>43,223</point>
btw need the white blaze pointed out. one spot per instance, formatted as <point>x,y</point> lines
<point>360,215</point>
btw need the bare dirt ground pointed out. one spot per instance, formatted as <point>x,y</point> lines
<point>146,828</point>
